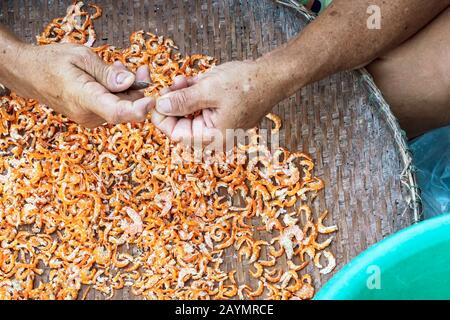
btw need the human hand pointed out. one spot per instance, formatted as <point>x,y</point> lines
<point>74,81</point>
<point>235,95</point>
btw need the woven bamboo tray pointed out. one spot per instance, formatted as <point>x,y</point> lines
<point>342,121</point>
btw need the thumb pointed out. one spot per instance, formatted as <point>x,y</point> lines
<point>180,103</point>
<point>115,77</point>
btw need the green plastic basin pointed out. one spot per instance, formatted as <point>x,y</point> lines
<point>412,264</point>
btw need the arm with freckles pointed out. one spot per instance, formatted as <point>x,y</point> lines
<point>238,94</point>
<point>73,81</point>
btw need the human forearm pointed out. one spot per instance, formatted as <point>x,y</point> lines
<point>340,40</point>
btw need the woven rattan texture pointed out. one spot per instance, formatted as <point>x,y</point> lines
<point>333,120</point>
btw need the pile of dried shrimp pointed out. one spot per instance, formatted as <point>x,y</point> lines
<point>111,208</point>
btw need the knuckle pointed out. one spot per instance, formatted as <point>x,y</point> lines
<point>180,101</point>
<point>111,119</point>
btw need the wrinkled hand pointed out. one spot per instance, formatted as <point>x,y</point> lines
<point>234,95</point>
<point>74,81</point>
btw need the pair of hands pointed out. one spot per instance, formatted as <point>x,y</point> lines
<point>75,82</point>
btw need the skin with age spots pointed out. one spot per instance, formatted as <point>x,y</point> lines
<point>238,94</point>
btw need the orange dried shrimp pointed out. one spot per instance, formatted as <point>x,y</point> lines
<point>109,208</point>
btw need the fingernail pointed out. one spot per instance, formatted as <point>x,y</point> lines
<point>164,105</point>
<point>124,77</point>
